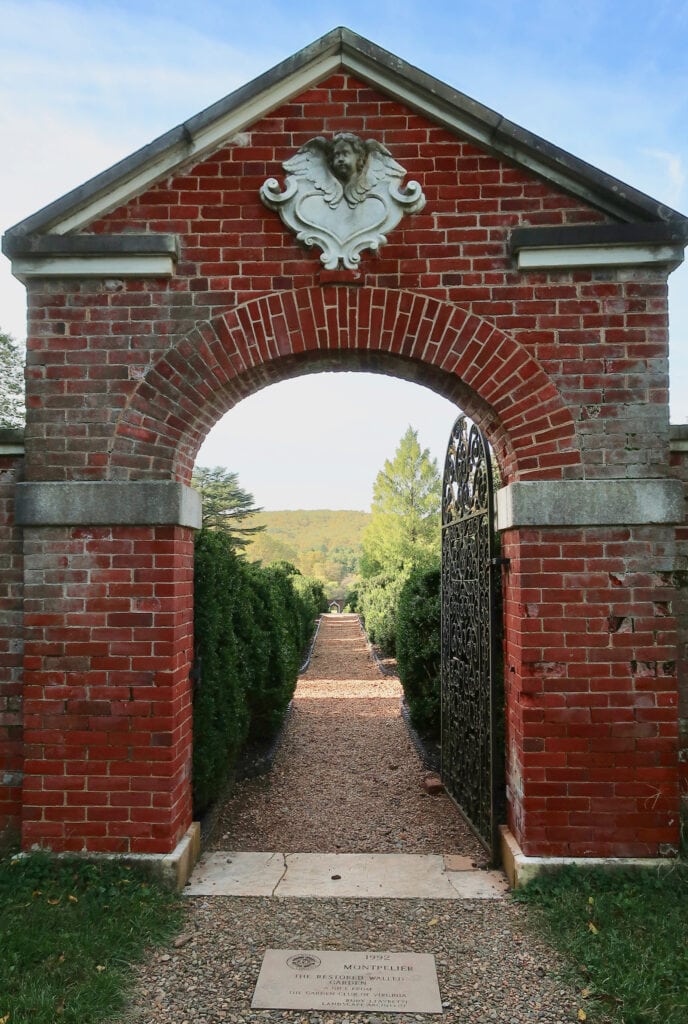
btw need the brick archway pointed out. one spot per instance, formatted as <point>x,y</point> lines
<point>531,290</point>
<point>414,336</point>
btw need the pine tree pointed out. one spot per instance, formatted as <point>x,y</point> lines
<point>404,528</point>
<point>11,383</point>
<point>226,505</point>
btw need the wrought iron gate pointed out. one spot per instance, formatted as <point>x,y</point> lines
<point>472,705</point>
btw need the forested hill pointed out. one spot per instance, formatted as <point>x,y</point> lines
<point>319,542</point>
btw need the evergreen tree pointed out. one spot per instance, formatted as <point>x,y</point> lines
<point>11,383</point>
<point>404,528</point>
<point>226,505</point>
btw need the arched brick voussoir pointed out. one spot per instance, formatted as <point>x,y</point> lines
<point>505,376</point>
<point>415,336</point>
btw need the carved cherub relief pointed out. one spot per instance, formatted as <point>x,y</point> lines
<point>342,195</point>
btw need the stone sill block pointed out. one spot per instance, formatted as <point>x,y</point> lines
<point>172,870</point>
<point>520,869</point>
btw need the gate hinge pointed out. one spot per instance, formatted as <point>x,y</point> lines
<point>499,562</point>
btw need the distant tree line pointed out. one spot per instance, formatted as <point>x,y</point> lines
<point>321,543</point>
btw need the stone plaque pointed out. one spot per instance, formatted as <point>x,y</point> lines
<point>316,979</point>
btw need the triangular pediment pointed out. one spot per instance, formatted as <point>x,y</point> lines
<point>341,51</point>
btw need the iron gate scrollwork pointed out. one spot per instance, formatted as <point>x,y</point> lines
<point>472,703</point>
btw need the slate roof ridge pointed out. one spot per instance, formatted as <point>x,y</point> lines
<point>343,49</point>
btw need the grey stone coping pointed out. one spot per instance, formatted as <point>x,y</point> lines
<point>108,503</point>
<point>11,440</point>
<point>91,245</point>
<point>12,435</point>
<point>675,233</point>
<point>678,438</point>
<point>589,503</point>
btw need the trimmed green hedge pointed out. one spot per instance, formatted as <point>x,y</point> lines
<point>278,620</point>
<point>418,649</point>
<point>378,598</point>
<point>312,602</point>
<point>220,712</point>
<point>251,626</point>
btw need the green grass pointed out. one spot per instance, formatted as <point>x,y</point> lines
<point>625,937</point>
<point>69,931</point>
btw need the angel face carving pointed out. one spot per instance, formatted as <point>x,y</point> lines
<point>342,194</point>
<point>347,156</point>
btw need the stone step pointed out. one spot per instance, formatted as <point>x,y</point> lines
<point>348,875</point>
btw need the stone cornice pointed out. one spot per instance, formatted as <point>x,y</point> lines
<point>11,440</point>
<point>590,245</point>
<point>678,437</point>
<point>92,255</point>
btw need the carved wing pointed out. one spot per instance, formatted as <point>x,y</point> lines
<point>310,164</point>
<point>380,166</point>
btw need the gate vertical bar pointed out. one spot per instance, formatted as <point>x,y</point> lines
<point>471,684</point>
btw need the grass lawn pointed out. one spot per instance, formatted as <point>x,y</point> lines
<point>68,933</point>
<point>625,936</point>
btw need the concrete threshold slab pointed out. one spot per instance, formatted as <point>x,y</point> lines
<point>346,875</point>
<point>236,874</point>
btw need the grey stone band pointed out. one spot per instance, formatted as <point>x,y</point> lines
<point>92,255</point>
<point>91,245</point>
<point>590,503</point>
<point>106,503</point>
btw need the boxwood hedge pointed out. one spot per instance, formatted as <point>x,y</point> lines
<point>418,648</point>
<point>251,625</point>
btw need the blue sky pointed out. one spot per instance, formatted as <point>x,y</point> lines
<point>83,84</point>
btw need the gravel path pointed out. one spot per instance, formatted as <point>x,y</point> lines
<point>346,749</point>
<point>348,779</point>
<point>490,967</point>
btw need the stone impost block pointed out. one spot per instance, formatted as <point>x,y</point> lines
<point>108,503</point>
<point>590,503</point>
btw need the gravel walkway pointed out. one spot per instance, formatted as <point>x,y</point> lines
<point>348,779</point>
<point>490,967</point>
<point>345,749</point>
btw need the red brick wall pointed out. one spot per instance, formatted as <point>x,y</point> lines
<point>566,371</point>
<point>107,705</point>
<point>599,335</point>
<point>11,580</point>
<point>591,692</point>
